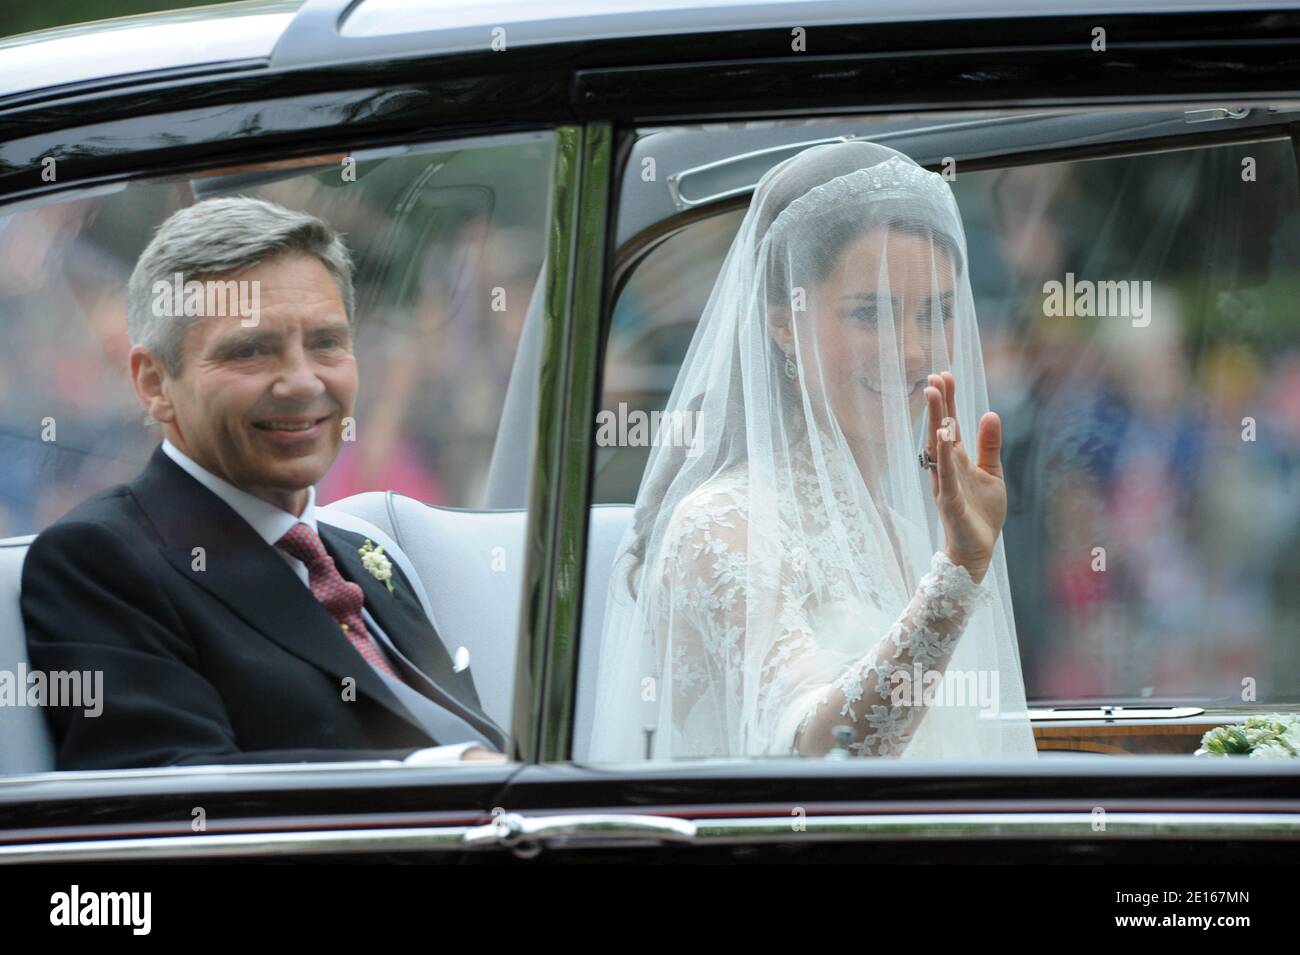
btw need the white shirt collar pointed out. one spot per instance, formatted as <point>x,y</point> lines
<point>270,522</point>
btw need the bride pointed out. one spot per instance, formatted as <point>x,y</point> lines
<point>821,568</point>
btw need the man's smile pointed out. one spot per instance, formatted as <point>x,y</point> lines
<point>292,429</point>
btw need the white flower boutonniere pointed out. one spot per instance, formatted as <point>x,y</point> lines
<point>374,560</point>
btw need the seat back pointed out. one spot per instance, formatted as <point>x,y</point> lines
<point>471,563</point>
<point>604,531</point>
<point>26,745</point>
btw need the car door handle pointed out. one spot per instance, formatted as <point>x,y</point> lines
<point>1214,114</point>
<point>525,834</point>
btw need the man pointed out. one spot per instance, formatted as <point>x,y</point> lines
<point>230,625</point>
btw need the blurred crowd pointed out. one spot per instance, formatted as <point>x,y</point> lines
<point>1154,471</point>
<point>441,298</point>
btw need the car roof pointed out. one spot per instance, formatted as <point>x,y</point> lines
<point>257,34</point>
<point>144,45</point>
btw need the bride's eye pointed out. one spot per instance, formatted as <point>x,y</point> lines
<point>867,315</point>
<point>866,310</point>
<point>944,310</point>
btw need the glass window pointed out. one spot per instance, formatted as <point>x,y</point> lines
<point>447,242</point>
<point>1150,445</point>
<point>1152,538</point>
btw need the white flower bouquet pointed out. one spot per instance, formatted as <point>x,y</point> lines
<point>1273,736</point>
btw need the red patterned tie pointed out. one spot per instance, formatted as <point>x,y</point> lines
<point>342,598</point>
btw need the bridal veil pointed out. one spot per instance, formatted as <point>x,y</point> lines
<point>782,534</point>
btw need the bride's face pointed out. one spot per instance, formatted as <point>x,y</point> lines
<point>848,328</point>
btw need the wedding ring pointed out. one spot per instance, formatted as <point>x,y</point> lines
<point>927,463</point>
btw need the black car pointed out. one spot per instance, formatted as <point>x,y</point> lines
<point>538,205</point>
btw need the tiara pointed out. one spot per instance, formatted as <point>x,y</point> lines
<point>894,174</point>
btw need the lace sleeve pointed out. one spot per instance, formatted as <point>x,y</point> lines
<point>733,599</point>
<point>925,634</point>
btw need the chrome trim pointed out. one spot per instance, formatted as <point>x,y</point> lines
<point>1107,712</point>
<point>676,179</point>
<point>233,773</point>
<point>1039,825</point>
<point>683,203</point>
<point>511,830</point>
<point>1214,114</point>
<point>428,839</point>
<point>528,835</point>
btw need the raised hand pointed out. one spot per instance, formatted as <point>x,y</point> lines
<point>971,496</point>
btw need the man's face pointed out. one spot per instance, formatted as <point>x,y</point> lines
<point>241,388</point>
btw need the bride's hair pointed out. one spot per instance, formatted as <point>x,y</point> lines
<point>834,231</point>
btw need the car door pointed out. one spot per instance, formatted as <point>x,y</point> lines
<point>1019,174</point>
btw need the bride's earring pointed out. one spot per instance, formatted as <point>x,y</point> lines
<point>790,369</point>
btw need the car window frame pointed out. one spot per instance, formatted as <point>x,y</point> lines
<point>633,252</point>
<point>561,261</point>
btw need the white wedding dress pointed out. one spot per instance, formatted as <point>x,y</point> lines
<point>819,624</point>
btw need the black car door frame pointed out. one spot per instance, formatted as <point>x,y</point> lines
<point>158,125</point>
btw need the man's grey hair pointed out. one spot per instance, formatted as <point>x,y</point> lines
<point>215,236</point>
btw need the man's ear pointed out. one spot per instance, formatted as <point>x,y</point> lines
<point>150,378</point>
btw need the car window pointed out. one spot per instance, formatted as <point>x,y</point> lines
<point>447,242</point>
<point>1150,451</point>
